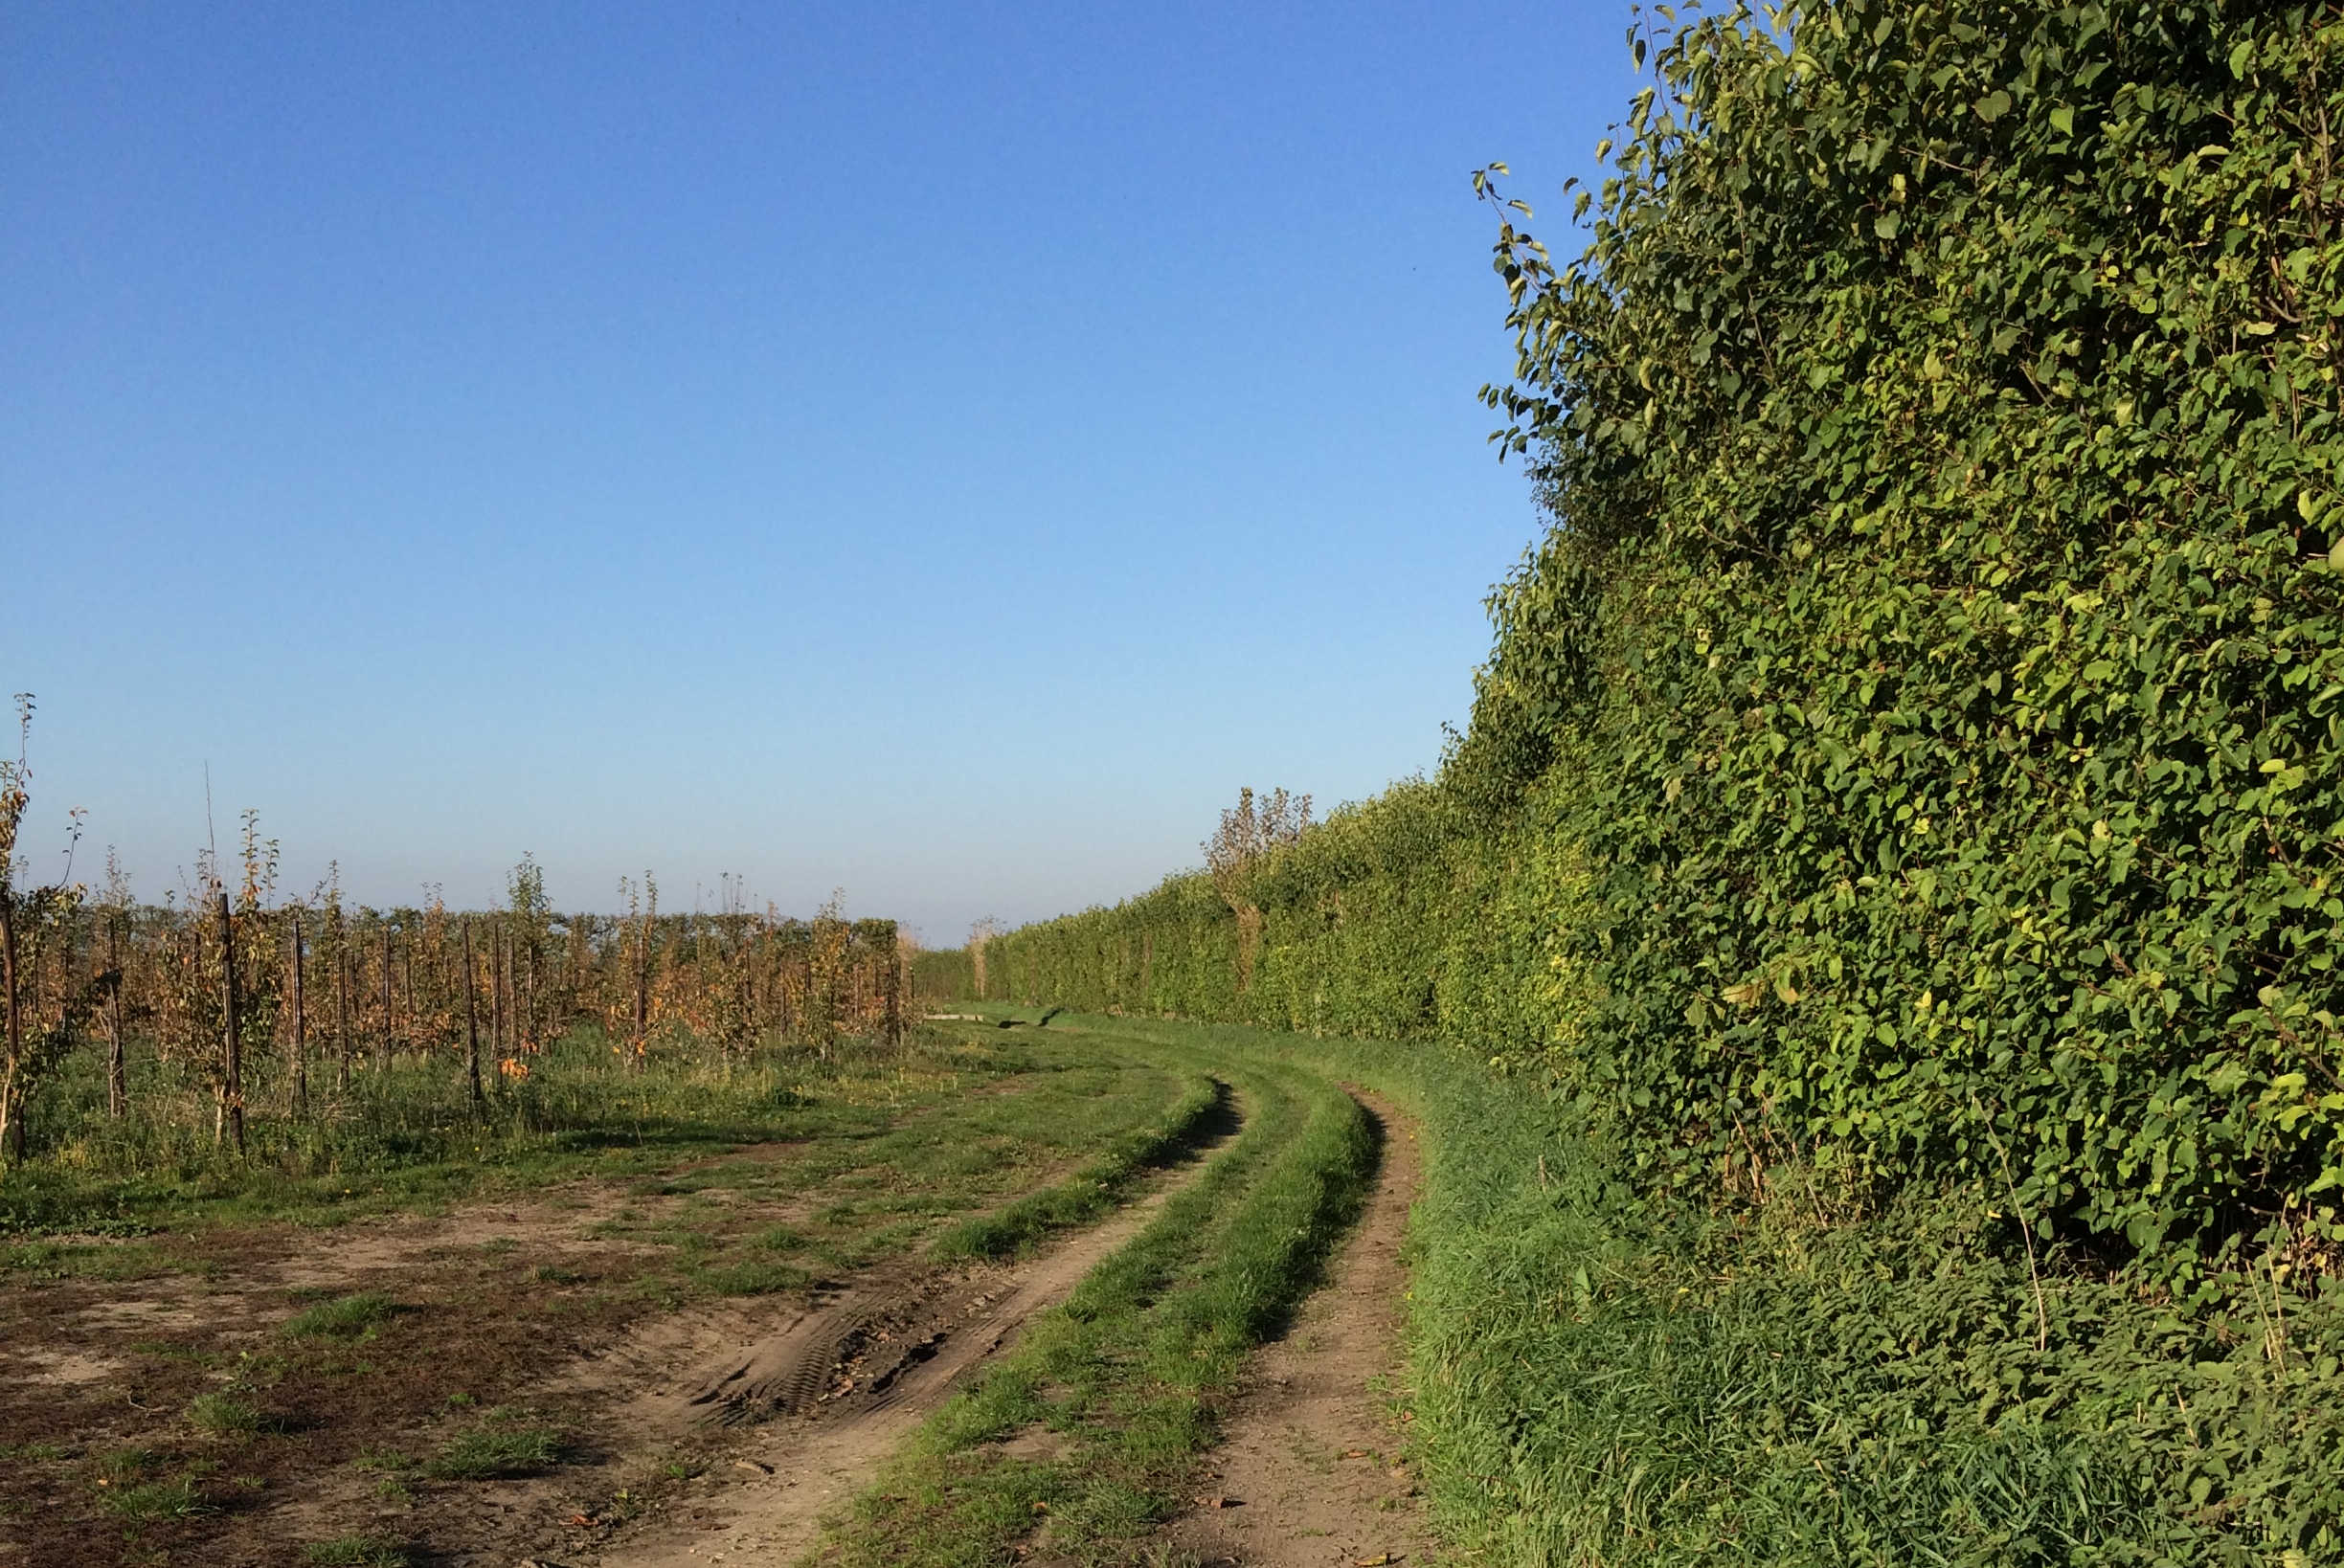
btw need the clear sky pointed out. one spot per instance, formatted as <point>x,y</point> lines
<point>936,451</point>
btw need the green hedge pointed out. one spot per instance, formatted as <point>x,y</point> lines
<point>1942,414</point>
<point>1913,751</point>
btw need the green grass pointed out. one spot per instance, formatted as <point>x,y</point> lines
<point>1598,1377</point>
<point>496,1448</point>
<point>357,1551</point>
<point>1093,1190</point>
<point>1128,1370</point>
<point>406,1139</point>
<point>350,1317</point>
<point>146,1501</point>
<point>870,1156</point>
<point>225,1413</point>
<point>754,1277</point>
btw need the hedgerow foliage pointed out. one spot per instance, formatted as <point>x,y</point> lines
<point>1939,430</point>
<point>1914,747</point>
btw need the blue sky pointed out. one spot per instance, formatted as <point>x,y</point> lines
<point>941,451</point>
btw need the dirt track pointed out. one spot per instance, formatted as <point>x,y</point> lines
<point>727,1430</point>
<point>1308,1473</point>
<point>859,1374</point>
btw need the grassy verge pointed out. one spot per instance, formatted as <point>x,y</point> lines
<point>1121,1384</point>
<point>1600,1379</point>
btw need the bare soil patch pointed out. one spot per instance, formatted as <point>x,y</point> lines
<point>1309,1473</point>
<point>842,1386</point>
<point>684,1419</point>
<point>104,1359</point>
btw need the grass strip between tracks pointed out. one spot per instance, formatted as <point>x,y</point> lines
<point>1115,1393</point>
<point>1091,1193</point>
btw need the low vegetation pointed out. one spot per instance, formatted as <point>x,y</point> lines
<point>273,1371</point>
<point>1123,1381</point>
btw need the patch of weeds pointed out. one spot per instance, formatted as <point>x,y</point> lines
<point>357,1551</point>
<point>498,1245</point>
<point>72,1260</point>
<point>495,1448</point>
<point>754,1277</point>
<point>345,1317</point>
<point>37,1452</point>
<point>176,1499</point>
<point>126,1466</point>
<point>396,1467</point>
<point>226,1413</point>
<point>554,1274</point>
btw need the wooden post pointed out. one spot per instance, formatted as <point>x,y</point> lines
<point>511,964</point>
<point>496,991</point>
<point>472,1020</point>
<point>342,1028</point>
<point>642,995</point>
<point>195,966</point>
<point>12,1102</point>
<point>301,1029</point>
<point>529,996</point>
<point>118,1080</point>
<point>232,1044</point>
<point>382,1059</point>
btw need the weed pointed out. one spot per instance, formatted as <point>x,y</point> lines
<point>494,1449</point>
<point>37,1452</point>
<point>126,1466</point>
<point>347,1317</point>
<point>144,1501</point>
<point>225,1413</point>
<point>357,1551</point>
<point>754,1277</point>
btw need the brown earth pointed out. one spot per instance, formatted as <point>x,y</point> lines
<point>857,1375</point>
<point>686,1421</point>
<point>98,1367</point>
<point>699,1431</point>
<point>1308,1474</point>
